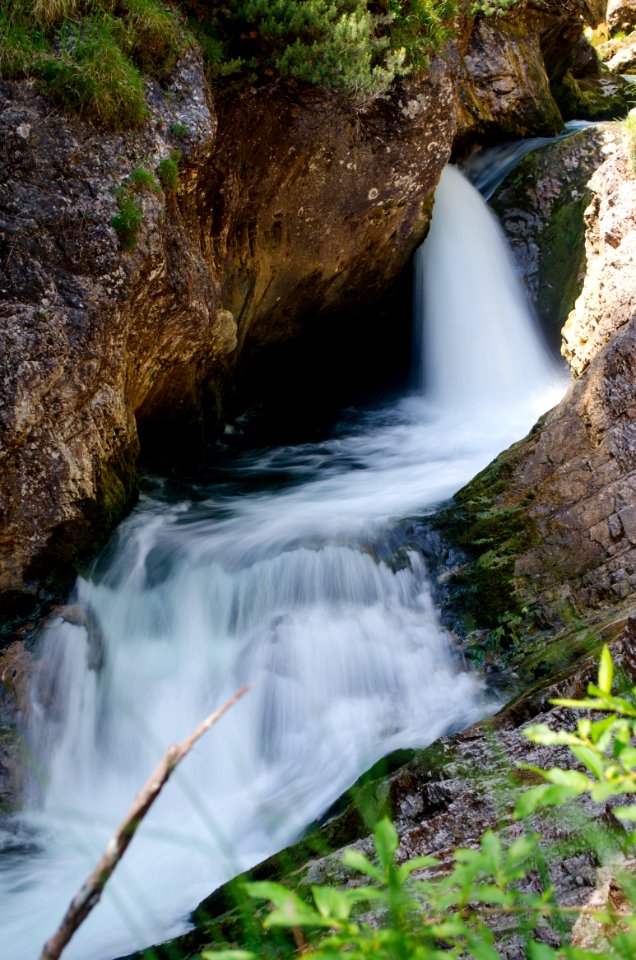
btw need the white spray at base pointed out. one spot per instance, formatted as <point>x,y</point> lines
<point>289,587</point>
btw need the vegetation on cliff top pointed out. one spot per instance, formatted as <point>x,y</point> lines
<point>91,56</point>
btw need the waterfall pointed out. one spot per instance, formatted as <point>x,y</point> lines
<point>282,573</point>
<point>480,342</point>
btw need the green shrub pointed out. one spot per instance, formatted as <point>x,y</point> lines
<point>128,219</point>
<point>355,48</point>
<point>388,914</point>
<point>490,7</point>
<point>168,170</point>
<point>143,180</point>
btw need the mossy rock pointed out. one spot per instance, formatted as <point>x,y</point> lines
<point>592,98</point>
<point>542,206</point>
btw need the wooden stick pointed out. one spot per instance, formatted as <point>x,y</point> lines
<point>91,890</point>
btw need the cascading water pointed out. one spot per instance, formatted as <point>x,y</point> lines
<point>275,577</point>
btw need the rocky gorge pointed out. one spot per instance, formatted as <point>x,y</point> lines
<point>282,240</point>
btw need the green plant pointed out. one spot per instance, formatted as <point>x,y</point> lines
<point>168,170</point>
<point>353,47</point>
<point>489,8</point>
<point>142,179</point>
<point>412,911</point>
<point>153,36</point>
<point>88,54</point>
<point>128,219</point>
<point>179,130</point>
<point>91,75</point>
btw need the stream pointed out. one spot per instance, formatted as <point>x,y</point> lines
<point>280,572</point>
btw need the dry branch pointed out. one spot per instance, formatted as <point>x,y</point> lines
<point>91,890</point>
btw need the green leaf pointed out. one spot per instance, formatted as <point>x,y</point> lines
<point>574,779</point>
<point>489,893</point>
<point>605,671</point>
<point>417,863</point>
<point>628,757</point>
<point>588,704</point>
<point>627,813</point>
<point>593,761</point>
<point>521,849</point>
<point>229,955</point>
<point>491,846</point>
<point>480,950</point>
<point>540,951</point>
<point>338,904</point>
<point>290,910</point>
<point>548,795</point>
<point>358,861</point>
<point>600,731</point>
<point>386,842</point>
<point>544,735</point>
<point>603,791</point>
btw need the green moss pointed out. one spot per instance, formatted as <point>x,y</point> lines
<point>587,99</point>
<point>562,260</point>
<point>179,130</point>
<point>492,530</point>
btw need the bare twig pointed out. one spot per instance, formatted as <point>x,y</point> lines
<point>91,890</point>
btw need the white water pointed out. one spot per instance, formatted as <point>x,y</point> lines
<point>284,587</point>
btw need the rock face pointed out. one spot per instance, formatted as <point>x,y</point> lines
<point>541,206</point>
<point>291,210</point>
<point>91,336</point>
<point>621,16</point>
<point>314,209</point>
<point>557,511</point>
<point>527,72</point>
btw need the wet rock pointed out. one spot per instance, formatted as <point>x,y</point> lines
<point>541,206</point>
<point>16,664</point>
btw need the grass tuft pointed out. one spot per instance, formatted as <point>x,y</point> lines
<point>128,219</point>
<point>168,170</point>
<point>142,180</point>
<point>155,36</point>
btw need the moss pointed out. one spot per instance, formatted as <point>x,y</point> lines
<point>588,99</point>
<point>562,260</point>
<point>491,529</point>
